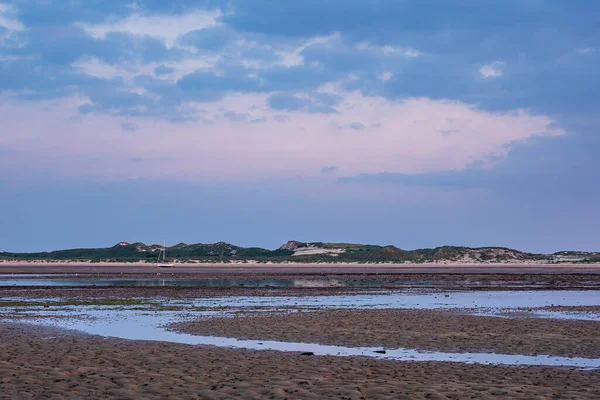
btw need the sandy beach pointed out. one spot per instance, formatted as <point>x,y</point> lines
<point>39,267</point>
<point>45,363</point>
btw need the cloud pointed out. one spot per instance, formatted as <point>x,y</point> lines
<point>8,18</point>
<point>519,173</point>
<point>304,77</point>
<point>201,44</point>
<point>163,70</point>
<point>357,126</point>
<point>326,99</point>
<point>408,142</point>
<point>129,126</point>
<point>206,85</point>
<point>388,49</point>
<point>340,58</point>
<point>329,170</point>
<point>117,103</point>
<point>386,76</point>
<point>447,132</point>
<point>286,101</point>
<point>66,45</point>
<point>586,50</point>
<point>293,56</point>
<point>281,118</point>
<point>311,80</point>
<point>481,95</point>
<point>315,103</point>
<point>236,117</point>
<point>492,70</point>
<point>379,22</point>
<point>211,38</point>
<point>165,26</point>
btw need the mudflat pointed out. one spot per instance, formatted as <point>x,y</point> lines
<point>442,330</point>
<point>45,363</point>
<point>42,362</point>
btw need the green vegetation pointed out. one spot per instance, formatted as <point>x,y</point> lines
<point>331,252</point>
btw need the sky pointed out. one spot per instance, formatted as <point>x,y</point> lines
<point>411,123</point>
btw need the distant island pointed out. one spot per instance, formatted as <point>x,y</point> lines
<point>303,252</point>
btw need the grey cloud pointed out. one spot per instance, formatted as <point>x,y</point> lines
<point>129,126</point>
<point>357,126</point>
<point>237,117</point>
<point>213,39</point>
<point>315,103</point>
<point>281,118</point>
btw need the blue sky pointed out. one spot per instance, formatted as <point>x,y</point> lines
<point>413,123</point>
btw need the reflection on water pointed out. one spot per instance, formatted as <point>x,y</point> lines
<point>416,299</point>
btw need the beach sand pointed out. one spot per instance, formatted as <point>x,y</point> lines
<point>423,329</point>
<point>46,363</point>
<point>40,363</point>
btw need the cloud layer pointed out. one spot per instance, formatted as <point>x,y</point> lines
<point>242,136</point>
<point>341,120</point>
<point>233,90</point>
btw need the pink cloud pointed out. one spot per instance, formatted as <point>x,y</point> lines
<point>407,136</point>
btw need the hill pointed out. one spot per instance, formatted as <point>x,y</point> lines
<point>306,252</point>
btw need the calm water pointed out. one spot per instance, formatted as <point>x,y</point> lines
<point>418,299</point>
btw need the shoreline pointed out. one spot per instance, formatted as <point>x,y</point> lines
<point>449,264</point>
<point>41,267</point>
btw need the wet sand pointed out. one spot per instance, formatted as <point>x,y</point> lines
<point>447,331</point>
<point>45,363</point>
<point>172,293</point>
<point>38,362</point>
